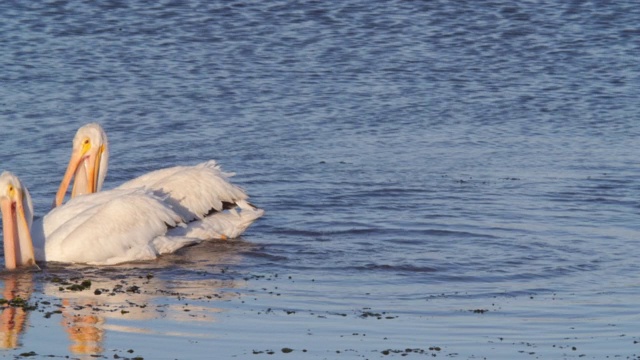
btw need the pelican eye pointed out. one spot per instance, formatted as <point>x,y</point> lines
<point>86,144</point>
<point>11,190</point>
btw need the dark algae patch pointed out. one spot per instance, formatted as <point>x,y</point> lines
<point>367,313</point>
<point>48,314</point>
<point>433,350</point>
<point>28,354</point>
<point>18,302</point>
<point>74,284</point>
<point>479,311</point>
<point>84,285</point>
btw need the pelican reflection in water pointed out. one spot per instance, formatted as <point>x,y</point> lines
<point>137,298</point>
<point>16,292</point>
<point>87,318</point>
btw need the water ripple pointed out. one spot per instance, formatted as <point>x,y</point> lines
<point>401,149</point>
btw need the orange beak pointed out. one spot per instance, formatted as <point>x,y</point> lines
<point>18,250</point>
<point>10,233</point>
<point>85,167</point>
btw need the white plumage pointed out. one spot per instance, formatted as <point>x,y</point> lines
<point>107,228</point>
<point>194,191</point>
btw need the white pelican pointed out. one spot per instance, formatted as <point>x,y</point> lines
<point>110,227</point>
<point>201,192</point>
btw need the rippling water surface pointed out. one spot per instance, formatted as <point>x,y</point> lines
<point>449,179</point>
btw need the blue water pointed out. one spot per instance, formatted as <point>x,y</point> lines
<point>453,178</point>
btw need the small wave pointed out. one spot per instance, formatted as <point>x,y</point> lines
<point>330,232</point>
<point>382,232</point>
<point>395,268</point>
<point>440,232</point>
<point>387,191</point>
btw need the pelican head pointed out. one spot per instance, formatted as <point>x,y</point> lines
<point>17,216</point>
<point>88,163</point>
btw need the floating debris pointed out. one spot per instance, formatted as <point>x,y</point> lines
<point>479,311</point>
<point>28,354</point>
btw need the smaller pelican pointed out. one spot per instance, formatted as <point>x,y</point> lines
<point>199,193</point>
<point>110,227</point>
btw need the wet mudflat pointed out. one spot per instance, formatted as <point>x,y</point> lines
<point>184,306</point>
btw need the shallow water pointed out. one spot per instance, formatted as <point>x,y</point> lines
<point>440,178</point>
